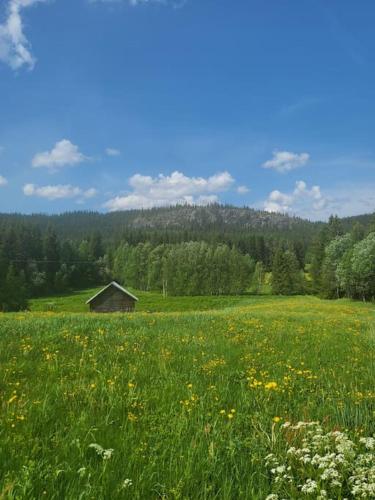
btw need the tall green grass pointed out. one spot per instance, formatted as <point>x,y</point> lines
<point>189,402</point>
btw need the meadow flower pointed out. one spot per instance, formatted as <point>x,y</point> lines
<point>310,486</point>
<point>332,460</point>
<point>270,385</point>
<point>105,454</point>
<point>369,442</point>
<point>127,483</point>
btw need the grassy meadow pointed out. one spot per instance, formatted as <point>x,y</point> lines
<point>183,399</point>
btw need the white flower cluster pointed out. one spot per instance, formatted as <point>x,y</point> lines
<point>127,483</point>
<point>322,465</point>
<point>102,452</point>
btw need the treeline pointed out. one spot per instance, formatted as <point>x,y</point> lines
<point>343,264</point>
<point>338,264</point>
<point>335,263</point>
<point>35,264</point>
<point>194,268</point>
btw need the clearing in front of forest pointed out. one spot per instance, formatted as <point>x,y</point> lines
<point>176,404</point>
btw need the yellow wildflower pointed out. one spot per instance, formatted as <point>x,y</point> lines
<point>270,385</point>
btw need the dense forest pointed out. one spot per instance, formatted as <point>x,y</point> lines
<point>185,251</point>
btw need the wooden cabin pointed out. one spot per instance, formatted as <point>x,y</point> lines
<point>112,298</point>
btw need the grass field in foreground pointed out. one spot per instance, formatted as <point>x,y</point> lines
<point>189,402</point>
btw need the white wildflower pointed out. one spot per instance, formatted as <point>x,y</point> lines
<point>309,487</point>
<point>102,452</point>
<point>127,483</point>
<point>369,442</point>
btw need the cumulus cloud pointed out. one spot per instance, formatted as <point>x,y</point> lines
<point>302,201</point>
<point>243,190</point>
<point>14,46</point>
<point>173,189</point>
<point>285,161</point>
<point>112,152</point>
<point>58,192</point>
<point>3,181</point>
<point>64,153</point>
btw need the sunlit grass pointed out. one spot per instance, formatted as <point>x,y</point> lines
<point>189,402</point>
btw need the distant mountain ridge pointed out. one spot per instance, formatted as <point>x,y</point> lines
<point>180,217</point>
<point>218,218</point>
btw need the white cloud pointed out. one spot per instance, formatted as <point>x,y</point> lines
<point>343,200</point>
<point>133,3</point>
<point>350,199</point>
<point>285,161</point>
<point>3,181</point>
<point>14,46</point>
<point>63,153</point>
<point>302,201</point>
<point>58,192</point>
<point>176,4</point>
<point>174,189</point>
<point>112,152</point>
<point>243,190</point>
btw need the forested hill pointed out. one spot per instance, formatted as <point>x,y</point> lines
<point>214,218</point>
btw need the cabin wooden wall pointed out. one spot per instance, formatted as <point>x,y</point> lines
<point>112,300</point>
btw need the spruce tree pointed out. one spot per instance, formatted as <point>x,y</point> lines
<point>14,292</point>
<point>278,272</point>
<point>286,275</point>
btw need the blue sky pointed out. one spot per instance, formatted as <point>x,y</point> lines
<point>111,105</point>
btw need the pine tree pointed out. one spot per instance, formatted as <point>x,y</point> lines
<point>278,272</point>
<point>286,275</point>
<point>14,292</point>
<point>51,257</point>
<point>317,258</point>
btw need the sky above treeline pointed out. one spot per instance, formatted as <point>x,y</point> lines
<point>119,104</point>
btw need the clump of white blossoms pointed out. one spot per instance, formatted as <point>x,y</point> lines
<point>127,483</point>
<point>322,465</point>
<point>102,452</point>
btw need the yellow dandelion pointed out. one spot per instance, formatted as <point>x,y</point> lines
<point>270,385</point>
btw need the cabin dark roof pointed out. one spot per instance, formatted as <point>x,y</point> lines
<point>116,285</point>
